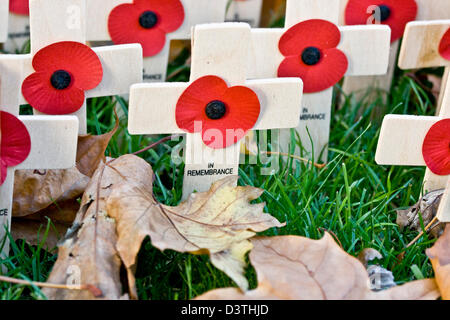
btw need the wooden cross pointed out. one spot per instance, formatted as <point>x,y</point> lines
<point>64,20</point>
<point>400,144</point>
<point>426,10</point>
<point>248,11</point>
<point>220,50</point>
<point>4,12</point>
<point>366,48</point>
<point>155,67</point>
<point>420,48</point>
<point>18,32</point>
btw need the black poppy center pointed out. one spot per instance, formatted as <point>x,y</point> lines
<point>148,19</point>
<point>384,11</point>
<point>215,110</point>
<point>311,56</point>
<point>61,79</point>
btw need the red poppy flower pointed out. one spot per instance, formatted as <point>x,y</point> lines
<point>394,13</point>
<point>436,148</point>
<point>146,22</point>
<point>444,46</point>
<point>19,7</point>
<point>311,54</point>
<point>220,110</point>
<point>64,71</point>
<point>15,143</point>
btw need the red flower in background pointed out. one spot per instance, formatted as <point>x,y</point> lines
<point>146,22</point>
<point>219,109</point>
<point>64,71</point>
<point>15,143</point>
<point>436,148</point>
<point>19,7</point>
<point>394,13</point>
<point>311,54</point>
<point>444,46</point>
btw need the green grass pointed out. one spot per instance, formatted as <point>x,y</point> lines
<point>352,197</point>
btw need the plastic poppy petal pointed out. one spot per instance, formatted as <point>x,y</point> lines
<point>191,104</point>
<point>170,13</point>
<point>311,33</point>
<point>124,28</point>
<point>243,110</point>
<point>329,71</point>
<point>19,7</point>
<point>359,12</point>
<point>15,143</point>
<point>78,59</point>
<point>39,93</point>
<point>436,148</point>
<point>444,46</point>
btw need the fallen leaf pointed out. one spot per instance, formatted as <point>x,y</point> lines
<point>297,268</point>
<point>91,150</point>
<point>379,277</point>
<point>35,191</point>
<point>218,222</point>
<point>89,248</point>
<point>367,255</point>
<point>427,207</point>
<point>440,258</point>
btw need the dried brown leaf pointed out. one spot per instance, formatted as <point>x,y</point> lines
<point>440,258</point>
<point>91,150</point>
<point>89,249</point>
<point>218,222</point>
<point>298,268</point>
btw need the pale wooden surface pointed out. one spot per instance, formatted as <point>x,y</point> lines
<point>155,68</point>
<point>218,49</point>
<point>18,32</point>
<point>4,12</point>
<point>53,146</point>
<point>248,11</point>
<point>301,10</point>
<point>444,207</point>
<point>65,20</point>
<point>420,46</point>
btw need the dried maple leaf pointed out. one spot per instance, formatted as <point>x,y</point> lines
<point>89,249</point>
<point>440,258</point>
<point>218,222</point>
<point>298,268</point>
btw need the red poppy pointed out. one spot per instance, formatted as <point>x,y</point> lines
<point>64,71</point>
<point>311,54</point>
<point>436,148</point>
<point>444,46</point>
<point>394,13</point>
<point>15,143</point>
<point>19,7</point>
<point>146,22</point>
<point>220,110</point>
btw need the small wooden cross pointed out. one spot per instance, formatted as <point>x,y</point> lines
<point>420,48</point>
<point>18,29</point>
<point>426,10</point>
<point>248,11</point>
<point>155,67</point>
<point>4,12</point>
<point>64,20</point>
<point>400,144</point>
<point>219,50</point>
<point>367,51</point>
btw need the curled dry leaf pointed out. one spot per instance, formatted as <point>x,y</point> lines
<point>297,268</point>
<point>218,222</point>
<point>440,258</point>
<point>427,206</point>
<point>88,254</point>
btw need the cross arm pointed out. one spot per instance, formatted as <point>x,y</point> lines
<point>53,142</point>
<point>4,13</point>
<point>366,47</point>
<point>401,140</point>
<point>152,108</point>
<point>420,45</point>
<point>278,107</point>
<point>301,10</point>
<point>12,74</point>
